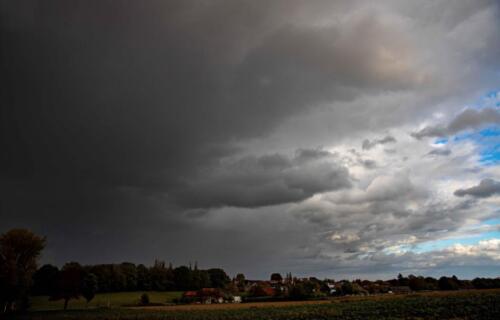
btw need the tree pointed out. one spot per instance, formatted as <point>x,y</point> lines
<point>446,283</point>
<point>89,286</point>
<point>129,271</point>
<point>347,288</point>
<point>161,277</point>
<point>402,281</point>
<point>69,284</point>
<point>199,279</point>
<point>276,277</point>
<point>19,252</point>
<point>240,281</point>
<point>218,278</point>
<point>143,278</point>
<point>44,280</point>
<point>298,291</point>
<point>417,283</point>
<point>182,278</point>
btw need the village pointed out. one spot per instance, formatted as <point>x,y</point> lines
<point>291,288</point>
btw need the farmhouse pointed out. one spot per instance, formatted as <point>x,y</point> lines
<point>209,296</point>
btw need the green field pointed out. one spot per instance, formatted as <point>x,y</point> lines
<point>472,304</point>
<point>104,300</point>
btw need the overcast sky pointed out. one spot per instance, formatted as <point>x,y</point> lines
<point>338,139</point>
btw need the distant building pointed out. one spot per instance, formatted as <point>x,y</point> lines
<point>331,288</point>
<point>399,289</point>
<point>206,296</point>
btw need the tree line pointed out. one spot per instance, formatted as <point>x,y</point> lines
<point>73,279</point>
<point>20,276</point>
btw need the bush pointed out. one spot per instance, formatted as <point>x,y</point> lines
<point>144,299</point>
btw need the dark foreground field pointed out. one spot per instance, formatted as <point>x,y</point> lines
<point>473,304</point>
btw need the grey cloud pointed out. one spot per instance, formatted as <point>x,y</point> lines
<point>485,188</point>
<point>367,144</point>
<point>468,119</point>
<point>383,238</point>
<point>368,163</point>
<point>440,152</point>
<point>267,180</point>
<point>385,189</point>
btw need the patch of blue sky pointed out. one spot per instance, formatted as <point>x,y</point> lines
<point>488,142</point>
<point>492,222</point>
<point>445,243</point>
<point>490,156</point>
<point>441,141</point>
<point>493,131</point>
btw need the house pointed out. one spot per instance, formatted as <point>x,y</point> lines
<point>331,288</point>
<point>205,296</point>
<point>269,291</point>
<point>211,295</point>
<point>190,294</point>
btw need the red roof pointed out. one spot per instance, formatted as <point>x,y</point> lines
<point>213,292</point>
<point>269,291</point>
<point>190,294</point>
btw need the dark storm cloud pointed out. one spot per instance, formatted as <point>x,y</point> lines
<point>485,188</point>
<point>468,119</point>
<point>144,95</point>
<point>113,110</point>
<point>367,144</point>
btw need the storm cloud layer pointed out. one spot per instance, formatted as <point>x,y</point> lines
<point>280,133</point>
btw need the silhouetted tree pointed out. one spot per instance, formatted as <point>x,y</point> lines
<point>89,286</point>
<point>44,280</point>
<point>276,277</point>
<point>199,279</point>
<point>218,278</point>
<point>347,288</point>
<point>183,278</point>
<point>19,252</point>
<point>161,277</point>
<point>69,284</point>
<point>446,283</point>
<point>403,281</point>
<point>417,283</point>
<point>143,278</point>
<point>240,281</point>
<point>129,272</point>
<point>298,292</point>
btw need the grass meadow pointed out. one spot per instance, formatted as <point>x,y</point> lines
<point>104,300</point>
